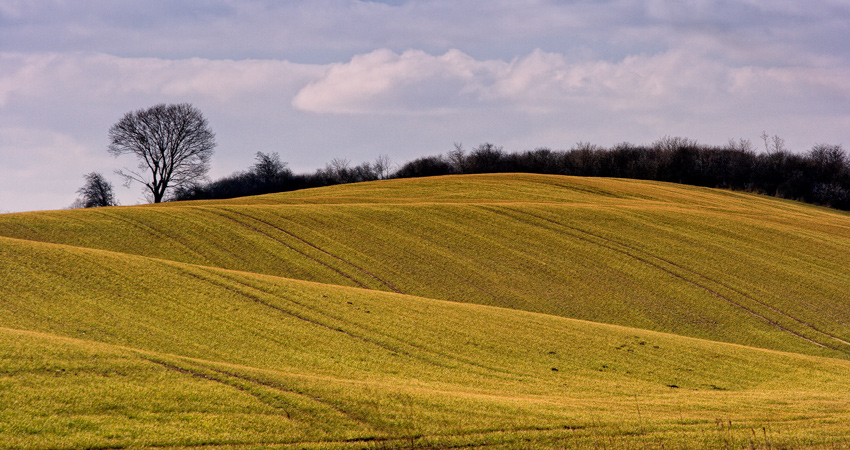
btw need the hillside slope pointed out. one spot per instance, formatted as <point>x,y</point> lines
<point>107,350</point>
<point>697,262</point>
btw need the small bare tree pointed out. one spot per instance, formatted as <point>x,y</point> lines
<point>338,171</point>
<point>773,144</point>
<point>96,192</point>
<point>673,143</point>
<point>269,169</point>
<point>742,145</point>
<point>382,166</point>
<point>173,143</point>
<point>830,160</point>
<point>457,158</point>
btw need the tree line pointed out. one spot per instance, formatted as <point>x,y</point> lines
<point>820,176</point>
<point>269,175</point>
<point>174,144</point>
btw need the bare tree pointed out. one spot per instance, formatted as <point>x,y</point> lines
<point>773,144</point>
<point>269,169</point>
<point>830,161</point>
<point>338,171</point>
<point>382,166</point>
<point>586,147</point>
<point>174,145</point>
<point>96,192</point>
<point>457,158</point>
<point>673,143</point>
<point>486,158</point>
<point>742,145</point>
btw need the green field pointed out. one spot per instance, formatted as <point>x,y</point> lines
<point>493,311</point>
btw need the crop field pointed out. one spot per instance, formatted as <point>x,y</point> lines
<point>492,311</point>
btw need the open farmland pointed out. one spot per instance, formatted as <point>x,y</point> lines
<point>505,311</point>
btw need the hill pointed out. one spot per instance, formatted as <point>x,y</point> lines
<point>175,326</point>
<point>692,261</point>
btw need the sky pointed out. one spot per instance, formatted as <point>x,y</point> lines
<point>353,79</point>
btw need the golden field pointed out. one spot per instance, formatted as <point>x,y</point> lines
<point>498,311</point>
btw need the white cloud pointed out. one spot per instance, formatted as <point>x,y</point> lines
<point>412,82</point>
<point>100,77</point>
<point>385,82</point>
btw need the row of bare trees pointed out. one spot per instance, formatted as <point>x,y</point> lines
<point>269,175</point>
<point>174,144</point>
<point>821,176</point>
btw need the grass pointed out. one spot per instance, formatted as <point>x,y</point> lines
<point>698,262</point>
<point>112,339</point>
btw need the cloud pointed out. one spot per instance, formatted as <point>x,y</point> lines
<point>325,31</point>
<point>384,82</point>
<point>102,77</point>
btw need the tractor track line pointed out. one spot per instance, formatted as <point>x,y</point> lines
<point>364,339</point>
<point>204,376</point>
<point>696,274</point>
<point>477,439</point>
<point>149,229</point>
<point>310,244</point>
<point>663,269</point>
<point>369,330</point>
<point>281,388</point>
<point>318,261</point>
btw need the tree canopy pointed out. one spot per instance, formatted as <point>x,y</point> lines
<point>96,192</point>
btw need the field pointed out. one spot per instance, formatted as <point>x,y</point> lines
<point>494,311</point>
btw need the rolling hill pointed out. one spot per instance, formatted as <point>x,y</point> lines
<point>505,311</point>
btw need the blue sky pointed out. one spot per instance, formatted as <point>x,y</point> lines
<point>324,79</point>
